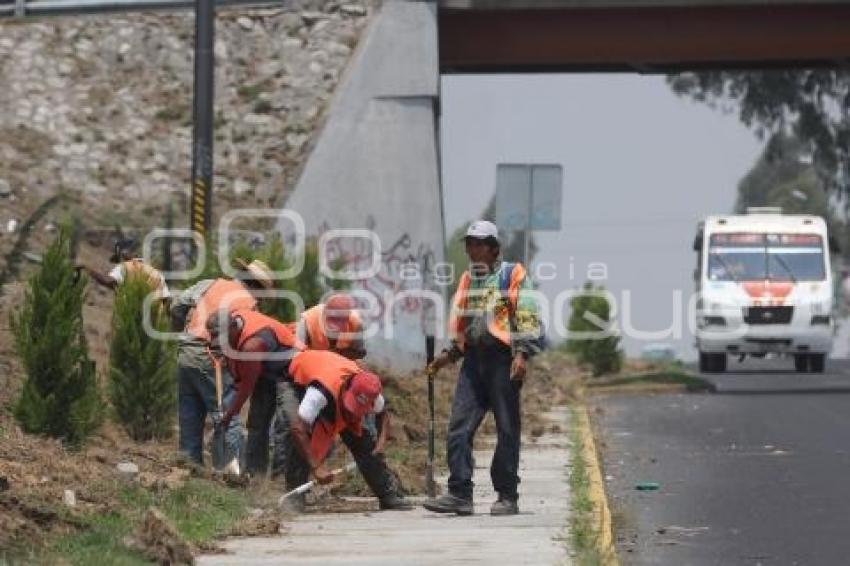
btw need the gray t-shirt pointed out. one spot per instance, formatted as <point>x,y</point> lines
<point>191,350</point>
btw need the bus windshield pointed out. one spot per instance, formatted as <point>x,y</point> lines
<point>760,257</point>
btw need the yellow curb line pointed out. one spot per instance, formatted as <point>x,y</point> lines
<point>605,538</point>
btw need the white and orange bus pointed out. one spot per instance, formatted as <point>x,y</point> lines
<point>764,284</point>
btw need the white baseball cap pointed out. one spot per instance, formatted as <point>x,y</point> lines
<point>482,229</point>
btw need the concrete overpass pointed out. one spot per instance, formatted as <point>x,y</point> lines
<point>496,36</point>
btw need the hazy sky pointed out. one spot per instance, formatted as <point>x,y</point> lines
<point>641,167</point>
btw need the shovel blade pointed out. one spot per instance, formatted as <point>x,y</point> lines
<point>221,459</point>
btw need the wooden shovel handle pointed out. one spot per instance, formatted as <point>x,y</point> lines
<point>218,386</point>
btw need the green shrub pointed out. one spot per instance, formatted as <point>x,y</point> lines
<point>252,91</point>
<point>173,113</point>
<point>141,366</point>
<point>602,353</point>
<point>263,107</point>
<point>60,397</point>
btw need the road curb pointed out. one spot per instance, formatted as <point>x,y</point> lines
<point>598,497</point>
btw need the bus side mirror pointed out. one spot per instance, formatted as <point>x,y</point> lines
<point>834,246</point>
<point>698,243</point>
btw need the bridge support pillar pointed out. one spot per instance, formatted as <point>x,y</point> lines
<point>375,166</point>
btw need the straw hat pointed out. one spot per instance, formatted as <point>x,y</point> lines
<point>258,271</point>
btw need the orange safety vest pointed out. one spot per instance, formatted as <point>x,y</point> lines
<point>223,293</point>
<point>137,267</point>
<point>499,321</point>
<point>314,320</point>
<point>332,372</point>
<point>255,322</point>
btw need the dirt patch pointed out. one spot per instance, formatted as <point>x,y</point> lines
<point>261,522</point>
<point>37,471</point>
<point>328,503</point>
<point>159,541</point>
<point>26,521</point>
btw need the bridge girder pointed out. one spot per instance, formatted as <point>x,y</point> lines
<point>666,36</point>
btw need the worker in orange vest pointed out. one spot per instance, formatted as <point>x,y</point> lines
<point>495,328</point>
<point>335,326</point>
<point>328,398</point>
<point>196,389</point>
<point>127,264</point>
<point>257,350</point>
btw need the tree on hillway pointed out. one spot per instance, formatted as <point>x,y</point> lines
<point>60,396</point>
<point>141,366</point>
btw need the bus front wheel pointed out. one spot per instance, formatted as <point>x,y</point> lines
<point>817,362</point>
<point>712,363</point>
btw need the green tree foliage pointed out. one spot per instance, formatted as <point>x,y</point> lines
<point>456,256</point>
<point>60,396</point>
<point>782,163</point>
<point>810,104</point>
<point>141,366</point>
<point>591,314</point>
<point>210,268</point>
<point>783,176</point>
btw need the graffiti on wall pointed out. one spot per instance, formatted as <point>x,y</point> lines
<point>405,267</point>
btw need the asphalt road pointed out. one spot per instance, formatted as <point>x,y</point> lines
<point>757,473</point>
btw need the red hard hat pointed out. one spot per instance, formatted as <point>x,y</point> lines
<point>337,312</point>
<point>359,398</point>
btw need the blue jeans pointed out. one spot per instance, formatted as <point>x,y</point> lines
<point>260,415</point>
<point>195,398</point>
<point>485,385</point>
<point>288,398</point>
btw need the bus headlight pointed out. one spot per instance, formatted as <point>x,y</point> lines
<point>711,321</point>
<point>716,307</point>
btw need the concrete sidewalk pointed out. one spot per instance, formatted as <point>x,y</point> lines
<point>536,536</point>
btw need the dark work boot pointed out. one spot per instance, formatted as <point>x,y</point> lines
<point>449,503</point>
<point>505,506</point>
<point>394,502</point>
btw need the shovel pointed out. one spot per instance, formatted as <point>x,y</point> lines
<point>430,485</point>
<point>219,448</point>
<point>305,487</point>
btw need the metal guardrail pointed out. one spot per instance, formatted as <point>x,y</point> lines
<point>31,8</point>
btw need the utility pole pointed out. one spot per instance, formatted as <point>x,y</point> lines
<point>200,214</point>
